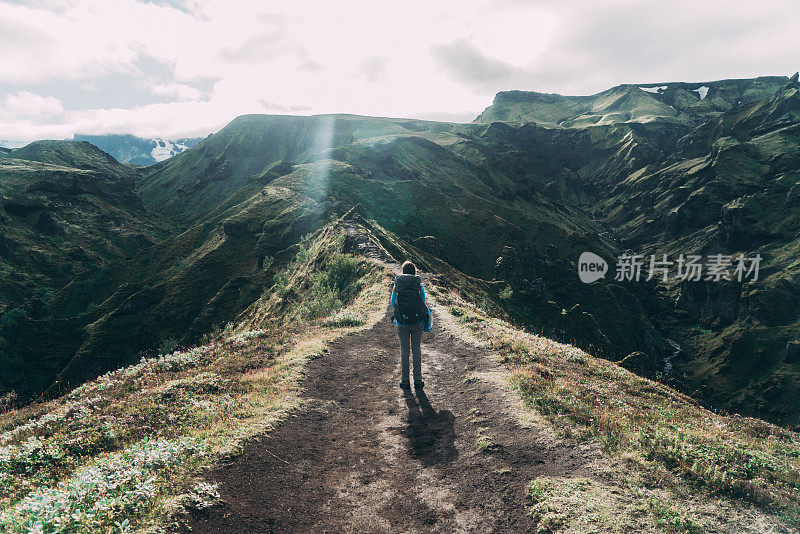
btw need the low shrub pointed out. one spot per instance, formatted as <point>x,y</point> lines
<point>102,494</point>
<point>335,284</point>
<point>344,318</point>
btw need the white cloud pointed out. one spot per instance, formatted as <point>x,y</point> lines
<point>28,105</point>
<point>180,91</point>
<point>373,68</point>
<point>214,59</point>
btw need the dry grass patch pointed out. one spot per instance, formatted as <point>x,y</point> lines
<point>644,423</point>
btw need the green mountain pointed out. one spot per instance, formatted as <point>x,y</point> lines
<point>677,102</point>
<point>174,251</point>
<point>730,188</point>
<point>236,226</point>
<point>68,210</point>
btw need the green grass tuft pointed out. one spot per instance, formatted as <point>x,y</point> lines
<point>334,284</point>
<point>672,518</point>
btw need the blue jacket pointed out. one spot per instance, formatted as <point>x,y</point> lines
<point>428,321</point>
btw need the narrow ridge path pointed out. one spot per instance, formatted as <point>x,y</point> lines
<point>361,455</point>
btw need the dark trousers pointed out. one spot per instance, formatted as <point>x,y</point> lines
<point>410,338</point>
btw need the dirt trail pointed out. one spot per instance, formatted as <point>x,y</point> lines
<point>364,456</point>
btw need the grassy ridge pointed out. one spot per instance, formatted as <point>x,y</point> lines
<point>124,450</point>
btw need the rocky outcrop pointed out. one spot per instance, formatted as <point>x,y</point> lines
<point>45,224</point>
<point>429,244</point>
<point>793,196</point>
<point>715,304</point>
<point>508,266</point>
<point>792,354</point>
<point>516,265</point>
<point>691,296</point>
<point>640,363</point>
<point>699,210</point>
<point>722,304</point>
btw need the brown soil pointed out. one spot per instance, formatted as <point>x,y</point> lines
<point>362,455</point>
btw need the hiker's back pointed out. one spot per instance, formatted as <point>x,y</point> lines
<point>411,314</point>
<point>410,305</point>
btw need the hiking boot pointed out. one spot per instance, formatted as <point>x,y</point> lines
<point>419,385</point>
<point>405,385</point>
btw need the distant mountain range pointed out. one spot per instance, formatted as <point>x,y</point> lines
<point>677,102</point>
<point>127,148</point>
<point>101,260</point>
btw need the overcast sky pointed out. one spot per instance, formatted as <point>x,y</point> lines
<point>185,68</point>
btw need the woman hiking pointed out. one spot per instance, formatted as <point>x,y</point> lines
<point>413,317</point>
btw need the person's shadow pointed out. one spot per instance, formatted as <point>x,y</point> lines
<point>430,433</point>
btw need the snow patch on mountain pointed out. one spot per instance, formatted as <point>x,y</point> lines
<point>702,91</point>
<point>659,89</point>
<point>165,149</point>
